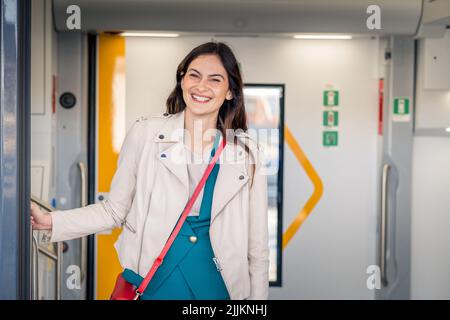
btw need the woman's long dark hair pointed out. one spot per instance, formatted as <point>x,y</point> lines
<point>232,112</point>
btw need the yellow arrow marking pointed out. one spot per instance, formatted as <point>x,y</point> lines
<point>316,195</point>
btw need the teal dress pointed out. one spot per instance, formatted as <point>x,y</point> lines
<point>188,271</point>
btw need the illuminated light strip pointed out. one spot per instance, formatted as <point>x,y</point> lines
<point>316,195</point>
<point>323,36</point>
<point>147,34</point>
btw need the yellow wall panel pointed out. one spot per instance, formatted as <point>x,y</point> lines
<point>111,106</point>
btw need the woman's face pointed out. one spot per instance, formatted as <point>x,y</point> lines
<point>205,85</point>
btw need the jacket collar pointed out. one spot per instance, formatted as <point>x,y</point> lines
<point>172,154</point>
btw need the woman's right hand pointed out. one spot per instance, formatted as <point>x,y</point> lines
<point>40,220</point>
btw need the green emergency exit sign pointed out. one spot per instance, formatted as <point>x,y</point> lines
<point>401,106</point>
<point>330,118</point>
<point>331,98</point>
<point>330,138</point>
<point>401,112</point>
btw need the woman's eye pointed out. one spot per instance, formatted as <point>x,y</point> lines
<point>215,80</point>
<point>193,75</point>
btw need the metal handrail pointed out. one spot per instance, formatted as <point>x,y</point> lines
<point>383,230</point>
<point>58,257</point>
<point>48,253</point>
<point>43,204</point>
<point>84,244</point>
<point>35,268</point>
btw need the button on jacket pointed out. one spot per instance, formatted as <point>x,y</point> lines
<point>150,189</point>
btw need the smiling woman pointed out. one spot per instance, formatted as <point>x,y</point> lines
<point>221,250</point>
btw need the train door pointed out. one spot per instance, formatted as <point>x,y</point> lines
<point>15,239</point>
<point>412,241</point>
<point>394,197</point>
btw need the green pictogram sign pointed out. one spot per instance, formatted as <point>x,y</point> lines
<point>401,106</point>
<point>401,110</point>
<point>331,98</point>
<point>330,118</point>
<point>330,138</point>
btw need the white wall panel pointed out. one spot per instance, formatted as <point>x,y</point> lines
<point>328,257</point>
<point>430,239</point>
<point>42,68</point>
<point>430,260</point>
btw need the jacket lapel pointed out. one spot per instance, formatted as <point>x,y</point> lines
<point>171,151</point>
<point>172,158</point>
<point>230,179</point>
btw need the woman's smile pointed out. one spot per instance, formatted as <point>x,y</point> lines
<point>200,98</point>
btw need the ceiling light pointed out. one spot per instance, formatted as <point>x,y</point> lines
<point>323,36</point>
<point>149,34</point>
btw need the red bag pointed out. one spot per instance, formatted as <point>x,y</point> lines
<point>123,290</point>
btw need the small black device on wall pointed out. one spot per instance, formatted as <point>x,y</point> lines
<point>67,100</point>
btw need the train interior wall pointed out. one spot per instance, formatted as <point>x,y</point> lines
<point>329,255</point>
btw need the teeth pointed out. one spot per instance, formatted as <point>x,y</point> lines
<point>200,98</point>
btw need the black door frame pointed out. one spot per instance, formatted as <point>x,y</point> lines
<point>15,232</point>
<point>281,86</point>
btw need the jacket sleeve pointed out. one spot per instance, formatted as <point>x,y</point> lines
<point>258,245</point>
<point>107,214</point>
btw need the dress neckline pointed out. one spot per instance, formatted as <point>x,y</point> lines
<point>208,150</point>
